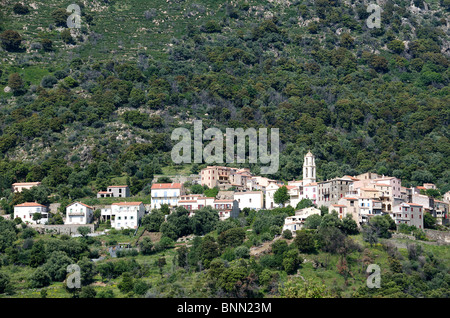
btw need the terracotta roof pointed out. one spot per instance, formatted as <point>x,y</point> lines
<point>421,188</point>
<point>369,189</point>
<point>127,203</point>
<point>104,192</point>
<point>185,201</point>
<point>166,186</point>
<point>82,205</point>
<point>351,198</point>
<point>29,204</point>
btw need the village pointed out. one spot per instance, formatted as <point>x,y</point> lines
<point>361,197</point>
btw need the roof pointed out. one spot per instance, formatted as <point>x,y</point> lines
<point>82,205</point>
<point>185,201</point>
<point>127,203</point>
<point>383,184</point>
<point>384,178</point>
<point>340,205</point>
<point>421,188</point>
<point>166,186</point>
<point>29,204</point>
<point>351,198</point>
<point>103,192</point>
<point>248,192</point>
<point>118,186</point>
<point>369,189</point>
<point>25,183</point>
<point>353,178</point>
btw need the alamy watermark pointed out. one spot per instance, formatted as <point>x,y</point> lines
<point>213,151</point>
<point>374,279</point>
<point>74,20</point>
<point>74,279</point>
<point>374,20</point>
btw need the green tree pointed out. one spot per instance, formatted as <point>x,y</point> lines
<point>5,283</point>
<point>304,203</point>
<point>349,226</point>
<point>39,278</point>
<point>11,40</point>
<point>396,46</point>
<point>429,222</point>
<point>312,221</point>
<point>231,238</point>
<point>205,220</point>
<point>281,196</point>
<point>16,83</point>
<point>60,17</point>
<point>304,241</point>
<point>88,292</point>
<point>87,271</point>
<point>127,283</point>
<point>152,221</point>
<point>146,246</point>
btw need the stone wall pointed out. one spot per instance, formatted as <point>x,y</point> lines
<point>62,229</point>
<point>442,237</point>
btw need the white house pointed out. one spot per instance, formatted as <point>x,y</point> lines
<point>26,210</point>
<point>409,214</point>
<point>79,213</point>
<point>250,199</point>
<point>126,214</point>
<point>166,193</point>
<point>295,222</point>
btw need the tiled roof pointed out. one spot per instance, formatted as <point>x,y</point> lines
<point>127,203</point>
<point>166,186</point>
<point>29,204</point>
<point>82,205</point>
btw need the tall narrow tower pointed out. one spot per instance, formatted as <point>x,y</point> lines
<point>309,169</point>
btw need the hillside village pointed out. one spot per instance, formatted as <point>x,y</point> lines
<point>361,197</point>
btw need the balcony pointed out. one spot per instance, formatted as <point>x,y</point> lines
<point>75,213</point>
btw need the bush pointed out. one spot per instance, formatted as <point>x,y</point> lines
<point>11,40</point>
<point>140,287</point>
<point>287,234</point>
<point>5,283</point>
<point>39,278</point>
<point>20,9</point>
<point>242,252</point>
<point>48,81</point>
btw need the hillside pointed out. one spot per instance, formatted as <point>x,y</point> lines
<point>102,102</point>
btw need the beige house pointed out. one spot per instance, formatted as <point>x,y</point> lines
<point>19,186</point>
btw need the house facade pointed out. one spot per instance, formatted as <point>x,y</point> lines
<point>20,186</point>
<point>410,214</point>
<point>166,193</point>
<point>79,213</point>
<point>250,199</point>
<point>126,215</point>
<point>119,191</point>
<point>26,212</point>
